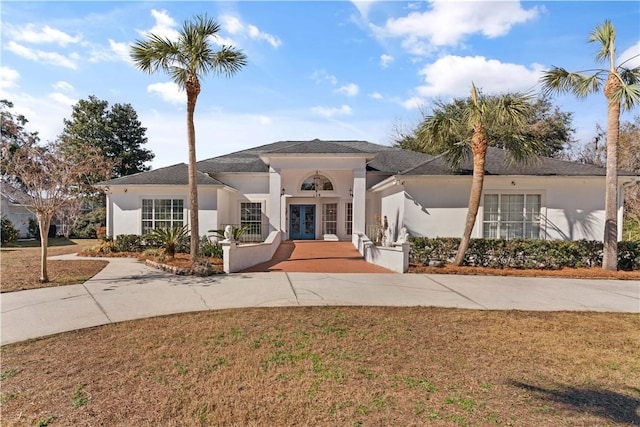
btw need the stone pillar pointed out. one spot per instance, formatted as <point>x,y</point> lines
<point>275,204</point>
<point>359,200</point>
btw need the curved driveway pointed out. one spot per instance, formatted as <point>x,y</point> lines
<point>127,289</point>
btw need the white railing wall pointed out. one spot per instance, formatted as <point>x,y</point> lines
<point>395,257</point>
<point>237,257</point>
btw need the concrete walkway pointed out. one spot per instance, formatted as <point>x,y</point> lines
<point>127,289</point>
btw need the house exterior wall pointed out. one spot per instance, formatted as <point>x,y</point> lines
<point>572,208</point>
<point>18,215</point>
<point>124,213</point>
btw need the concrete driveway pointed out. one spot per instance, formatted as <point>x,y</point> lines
<point>127,289</point>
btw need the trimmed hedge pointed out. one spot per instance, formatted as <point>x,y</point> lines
<point>523,253</point>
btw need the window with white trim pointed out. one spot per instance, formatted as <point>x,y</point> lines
<point>511,216</point>
<point>251,217</point>
<point>330,218</point>
<point>162,213</point>
<point>348,215</point>
<point>317,183</point>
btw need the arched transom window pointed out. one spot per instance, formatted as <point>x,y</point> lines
<point>317,182</point>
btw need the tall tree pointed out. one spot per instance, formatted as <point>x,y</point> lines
<point>465,128</point>
<point>49,180</point>
<point>117,132</point>
<point>187,60</point>
<point>13,132</point>
<point>548,129</point>
<point>621,88</point>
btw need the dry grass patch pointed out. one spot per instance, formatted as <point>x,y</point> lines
<point>574,273</point>
<point>20,265</point>
<point>332,366</point>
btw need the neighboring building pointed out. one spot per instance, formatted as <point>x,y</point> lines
<point>16,212</point>
<point>335,189</point>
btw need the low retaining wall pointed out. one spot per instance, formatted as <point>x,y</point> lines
<point>395,258</point>
<point>238,257</point>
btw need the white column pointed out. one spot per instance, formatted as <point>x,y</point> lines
<point>275,205</point>
<point>359,200</point>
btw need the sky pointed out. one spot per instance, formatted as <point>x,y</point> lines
<point>325,69</point>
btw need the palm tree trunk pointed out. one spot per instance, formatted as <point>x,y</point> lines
<point>610,255</point>
<point>44,221</point>
<point>479,148</point>
<point>193,89</point>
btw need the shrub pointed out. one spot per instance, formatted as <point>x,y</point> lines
<point>171,239</point>
<point>128,243</point>
<point>9,232</point>
<point>210,248</point>
<point>34,229</point>
<point>524,253</point>
<point>86,225</point>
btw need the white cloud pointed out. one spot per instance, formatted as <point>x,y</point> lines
<point>46,34</point>
<point>121,50</point>
<point>63,86</point>
<point>235,26</point>
<point>376,95</point>
<point>321,76</point>
<point>329,112</point>
<point>165,26</point>
<point>63,99</point>
<point>169,92</point>
<point>264,120</point>
<point>385,60</point>
<point>37,55</point>
<point>632,55</point>
<point>363,7</point>
<point>447,23</point>
<point>8,78</point>
<point>452,76</point>
<point>413,103</point>
<point>350,89</point>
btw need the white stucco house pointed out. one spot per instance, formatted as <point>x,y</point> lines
<point>13,209</point>
<point>335,189</point>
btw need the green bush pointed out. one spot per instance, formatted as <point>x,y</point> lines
<point>172,240</point>
<point>128,243</point>
<point>87,224</point>
<point>34,229</point>
<point>9,232</point>
<point>209,248</point>
<point>523,253</point>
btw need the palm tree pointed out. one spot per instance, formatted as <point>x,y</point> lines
<point>621,89</point>
<point>467,125</point>
<point>186,60</point>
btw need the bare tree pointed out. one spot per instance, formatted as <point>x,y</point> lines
<point>49,182</point>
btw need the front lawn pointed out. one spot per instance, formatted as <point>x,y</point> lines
<point>20,264</point>
<point>346,366</point>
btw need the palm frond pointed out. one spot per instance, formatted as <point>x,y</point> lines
<point>604,34</point>
<point>559,80</point>
<point>629,76</point>
<point>228,61</point>
<point>628,96</point>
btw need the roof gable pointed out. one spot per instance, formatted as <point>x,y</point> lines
<point>170,175</point>
<point>498,162</point>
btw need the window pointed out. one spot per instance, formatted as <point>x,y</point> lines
<point>317,183</point>
<point>162,213</point>
<point>330,218</point>
<point>511,216</point>
<point>348,215</point>
<point>251,217</point>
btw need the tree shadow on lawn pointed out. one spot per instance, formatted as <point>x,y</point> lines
<point>611,405</point>
<point>35,243</point>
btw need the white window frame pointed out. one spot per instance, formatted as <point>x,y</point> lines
<point>333,222</point>
<point>174,220</point>
<point>536,217</point>
<point>249,235</point>
<point>348,218</point>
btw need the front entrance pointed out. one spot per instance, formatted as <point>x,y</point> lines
<point>302,222</point>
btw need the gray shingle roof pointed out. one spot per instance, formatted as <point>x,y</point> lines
<point>387,159</point>
<point>170,175</point>
<point>499,163</point>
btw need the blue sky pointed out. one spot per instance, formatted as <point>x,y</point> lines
<point>328,70</point>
